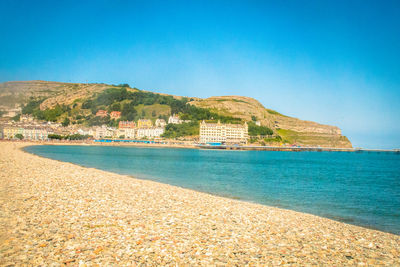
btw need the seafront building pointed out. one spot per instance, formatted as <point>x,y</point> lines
<point>223,133</point>
<point>9,132</point>
<point>149,132</point>
<point>144,123</point>
<point>83,131</point>
<point>28,132</point>
<point>32,133</point>
<point>160,123</point>
<point>127,133</point>
<point>31,129</point>
<point>126,125</point>
<point>174,119</point>
<point>104,132</point>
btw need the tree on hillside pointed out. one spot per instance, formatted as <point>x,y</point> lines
<point>184,129</point>
<point>16,117</point>
<point>111,95</point>
<point>66,122</point>
<point>94,121</point>
<point>52,114</point>
<point>55,136</point>
<point>87,104</point>
<point>128,112</point>
<point>31,106</point>
<point>115,107</point>
<point>255,130</point>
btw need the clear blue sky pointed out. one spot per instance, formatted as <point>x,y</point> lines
<point>334,62</point>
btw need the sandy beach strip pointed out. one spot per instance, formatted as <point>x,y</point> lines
<point>54,213</point>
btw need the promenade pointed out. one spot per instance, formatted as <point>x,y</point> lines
<point>54,214</point>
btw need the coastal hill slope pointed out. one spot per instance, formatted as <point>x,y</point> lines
<point>291,130</point>
<point>19,92</point>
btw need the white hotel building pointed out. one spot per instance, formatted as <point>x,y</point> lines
<point>223,133</point>
<point>149,132</point>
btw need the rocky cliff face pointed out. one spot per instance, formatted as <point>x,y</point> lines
<point>301,126</point>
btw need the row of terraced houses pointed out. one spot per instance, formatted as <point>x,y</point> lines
<point>26,132</point>
<point>143,128</point>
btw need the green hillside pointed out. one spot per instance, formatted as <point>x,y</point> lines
<point>77,104</point>
<point>133,105</point>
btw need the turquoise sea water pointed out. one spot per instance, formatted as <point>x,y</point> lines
<point>357,188</point>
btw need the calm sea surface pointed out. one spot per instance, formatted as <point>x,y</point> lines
<point>357,188</point>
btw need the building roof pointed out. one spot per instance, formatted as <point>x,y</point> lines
<point>213,124</point>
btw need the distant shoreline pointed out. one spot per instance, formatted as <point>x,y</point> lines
<point>208,147</point>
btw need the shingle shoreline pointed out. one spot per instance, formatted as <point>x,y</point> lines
<point>54,213</point>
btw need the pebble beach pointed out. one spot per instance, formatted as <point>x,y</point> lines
<point>55,214</point>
